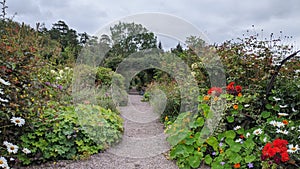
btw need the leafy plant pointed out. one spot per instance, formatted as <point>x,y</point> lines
<point>57,133</point>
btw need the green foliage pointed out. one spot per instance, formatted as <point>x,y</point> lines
<point>57,133</point>
<point>103,126</point>
<point>238,141</point>
<point>126,39</point>
<point>172,94</point>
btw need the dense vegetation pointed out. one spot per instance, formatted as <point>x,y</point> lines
<point>41,113</point>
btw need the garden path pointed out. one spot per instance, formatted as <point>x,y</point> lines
<point>143,145</point>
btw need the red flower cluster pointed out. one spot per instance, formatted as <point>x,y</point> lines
<point>215,91</point>
<point>235,90</point>
<point>276,150</point>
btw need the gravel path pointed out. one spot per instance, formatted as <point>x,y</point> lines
<point>143,145</point>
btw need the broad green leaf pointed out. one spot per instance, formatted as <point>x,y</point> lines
<point>230,119</point>
<point>249,158</point>
<point>230,134</point>
<point>236,147</point>
<point>265,114</point>
<point>208,159</point>
<point>268,106</point>
<point>194,161</point>
<point>212,141</point>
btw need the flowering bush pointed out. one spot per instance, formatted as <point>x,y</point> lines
<point>37,122</point>
<point>242,140</point>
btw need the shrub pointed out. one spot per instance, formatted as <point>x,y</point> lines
<point>58,134</point>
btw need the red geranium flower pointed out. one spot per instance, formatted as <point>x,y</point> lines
<point>284,157</point>
<point>238,88</point>
<point>276,150</point>
<point>234,90</point>
<point>215,91</point>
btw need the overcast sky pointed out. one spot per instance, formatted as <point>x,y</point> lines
<point>220,20</point>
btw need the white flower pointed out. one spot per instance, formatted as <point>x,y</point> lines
<point>257,132</point>
<point>239,140</point>
<point>265,139</point>
<point>293,149</point>
<point>284,106</point>
<point>11,148</point>
<point>277,123</point>
<point>282,132</point>
<point>276,98</point>
<point>4,100</point>
<point>26,151</point>
<point>12,159</point>
<point>278,131</point>
<point>4,82</point>
<point>237,127</point>
<point>52,71</point>
<point>6,143</point>
<point>3,162</point>
<point>61,72</point>
<point>193,74</point>
<point>58,78</point>
<point>293,128</point>
<point>246,105</point>
<point>248,135</point>
<point>293,109</point>
<point>18,121</point>
<point>67,68</point>
<point>1,91</point>
<point>283,114</point>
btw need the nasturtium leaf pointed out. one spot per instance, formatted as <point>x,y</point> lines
<point>249,158</point>
<point>268,106</point>
<point>194,161</point>
<point>212,141</point>
<point>230,119</point>
<point>265,114</point>
<point>208,159</point>
<point>236,147</point>
<point>230,134</point>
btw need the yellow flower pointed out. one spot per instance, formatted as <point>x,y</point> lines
<point>235,107</point>
<point>199,149</point>
<point>221,151</point>
<point>166,118</point>
<point>216,98</point>
<point>240,95</point>
<point>206,98</point>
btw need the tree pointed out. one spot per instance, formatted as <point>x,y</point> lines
<point>68,39</point>
<point>125,39</point>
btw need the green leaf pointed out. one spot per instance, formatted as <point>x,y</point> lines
<point>265,114</point>
<point>230,134</point>
<point>236,147</point>
<point>208,159</point>
<point>194,161</point>
<point>230,119</point>
<point>276,108</point>
<point>189,141</point>
<point>268,106</point>
<point>249,158</point>
<point>234,112</point>
<point>212,141</point>
<point>177,137</point>
<point>200,121</point>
